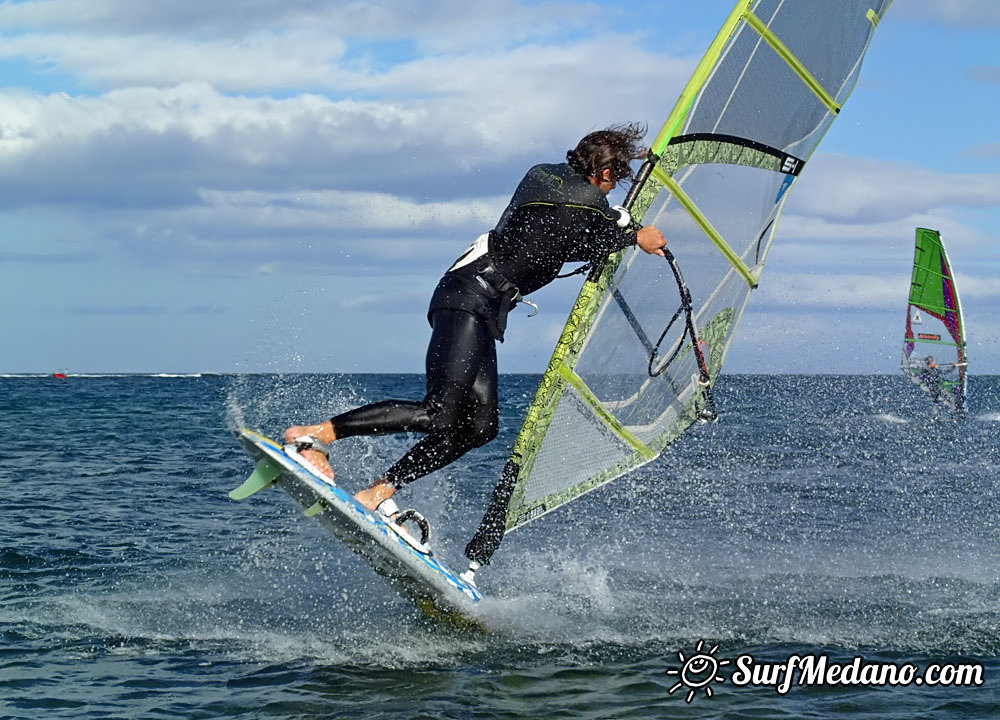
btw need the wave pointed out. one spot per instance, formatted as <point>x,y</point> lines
<point>106,375</point>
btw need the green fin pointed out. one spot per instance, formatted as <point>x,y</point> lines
<point>315,509</point>
<point>264,476</point>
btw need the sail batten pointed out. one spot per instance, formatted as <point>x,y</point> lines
<point>779,47</point>
<point>644,343</point>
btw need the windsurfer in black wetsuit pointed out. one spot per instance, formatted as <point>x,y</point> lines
<point>932,376</point>
<point>559,213</point>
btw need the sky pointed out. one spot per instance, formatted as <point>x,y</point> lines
<point>278,186</point>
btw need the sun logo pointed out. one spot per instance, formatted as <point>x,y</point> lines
<point>697,671</point>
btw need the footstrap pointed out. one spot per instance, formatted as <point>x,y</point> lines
<point>389,510</point>
<point>308,442</point>
<point>420,520</point>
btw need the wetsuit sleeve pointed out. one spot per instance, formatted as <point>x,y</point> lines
<point>601,235</point>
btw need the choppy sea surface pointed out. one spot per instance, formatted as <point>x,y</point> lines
<point>825,518</point>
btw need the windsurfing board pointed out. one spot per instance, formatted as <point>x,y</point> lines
<point>415,571</point>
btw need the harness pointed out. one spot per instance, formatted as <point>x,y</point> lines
<point>495,286</point>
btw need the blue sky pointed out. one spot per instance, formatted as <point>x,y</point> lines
<point>261,186</point>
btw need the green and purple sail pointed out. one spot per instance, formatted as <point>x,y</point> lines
<point>934,345</point>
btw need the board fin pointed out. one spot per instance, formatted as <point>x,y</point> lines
<point>316,508</point>
<point>263,476</point>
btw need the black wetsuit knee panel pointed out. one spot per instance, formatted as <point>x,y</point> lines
<point>485,425</point>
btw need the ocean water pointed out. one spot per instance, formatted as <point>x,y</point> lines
<point>823,517</point>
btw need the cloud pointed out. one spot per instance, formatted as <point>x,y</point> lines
<point>816,342</point>
<point>200,309</point>
<point>387,302</point>
<point>444,18</point>
<point>988,74</point>
<point>840,245</point>
<point>370,212</point>
<point>448,125</point>
<point>304,45</point>
<point>855,189</point>
<point>119,310</point>
<point>976,288</point>
<point>989,150</point>
<point>56,258</point>
<point>396,155</point>
<point>336,233</point>
<point>961,13</point>
<point>160,147</point>
<point>834,291</point>
<point>842,291</point>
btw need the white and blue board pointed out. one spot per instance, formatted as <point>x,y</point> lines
<point>416,572</point>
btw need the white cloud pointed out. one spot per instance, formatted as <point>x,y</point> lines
<point>854,189</point>
<point>834,291</point>
<point>254,131</point>
<point>397,18</point>
<point>989,74</point>
<point>179,172</point>
<point>962,13</point>
<point>332,231</point>
<point>437,118</point>
<point>344,210</point>
<point>387,302</point>
<point>337,46</point>
<point>253,62</point>
<point>988,150</point>
<point>976,288</point>
<point>840,291</point>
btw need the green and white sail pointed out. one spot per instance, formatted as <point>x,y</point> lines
<point>625,380</point>
<point>934,341</point>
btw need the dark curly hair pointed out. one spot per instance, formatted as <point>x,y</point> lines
<point>612,148</point>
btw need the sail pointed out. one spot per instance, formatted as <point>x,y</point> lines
<point>636,362</point>
<point>934,344</point>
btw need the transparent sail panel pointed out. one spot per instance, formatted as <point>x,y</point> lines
<point>577,441</point>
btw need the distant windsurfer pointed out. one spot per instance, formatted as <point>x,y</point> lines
<point>559,213</point>
<point>933,376</point>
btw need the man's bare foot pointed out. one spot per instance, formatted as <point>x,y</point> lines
<point>322,432</point>
<point>373,495</point>
<point>318,461</point>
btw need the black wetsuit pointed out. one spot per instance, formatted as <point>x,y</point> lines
<point>933,377</point>
<point>556,215</point>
